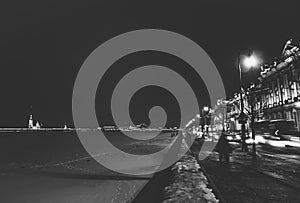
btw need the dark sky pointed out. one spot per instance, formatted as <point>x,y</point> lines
<point>44,43</point>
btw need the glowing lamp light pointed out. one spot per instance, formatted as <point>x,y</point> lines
<point>251,61</point>
<point>205,108</point>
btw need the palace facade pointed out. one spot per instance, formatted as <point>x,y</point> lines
<point>276,95</point>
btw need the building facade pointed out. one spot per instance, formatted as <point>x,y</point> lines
<point>276,95</point>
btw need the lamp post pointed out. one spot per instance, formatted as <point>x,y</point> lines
<point>252,100</point>
<point>249,61</point>
<point>205,111</point>
<point>198,123</point>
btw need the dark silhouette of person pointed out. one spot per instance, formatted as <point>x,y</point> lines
<point>174,133</point>
<point>223,148</point>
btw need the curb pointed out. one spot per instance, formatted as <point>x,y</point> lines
<point>139,190</point>
<point>210,181</point>
<point>151,187</point>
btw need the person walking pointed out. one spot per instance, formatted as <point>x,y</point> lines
<point>223,148</point>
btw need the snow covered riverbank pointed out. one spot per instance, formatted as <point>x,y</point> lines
<point>189,183</point>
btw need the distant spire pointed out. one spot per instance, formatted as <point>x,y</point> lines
<point>30,122</point>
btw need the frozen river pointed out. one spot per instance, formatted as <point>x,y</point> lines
<point>54,167</point>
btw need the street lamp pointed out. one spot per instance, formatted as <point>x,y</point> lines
<point>249,61</point>
<point>206,108</point>
<point>205,111</point>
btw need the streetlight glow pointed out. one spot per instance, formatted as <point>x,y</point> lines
<point>206,108</point>
<point>251,61</point>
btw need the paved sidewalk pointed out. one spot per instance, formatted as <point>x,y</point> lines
<point>243,180</point>
<point>282,169</point>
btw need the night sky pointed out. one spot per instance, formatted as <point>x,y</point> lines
<point>44,43</point>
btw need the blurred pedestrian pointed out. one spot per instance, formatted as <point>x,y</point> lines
<point>223,148</point>
<point>174,133</point>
